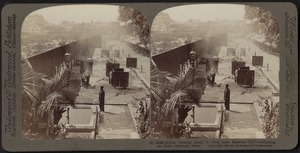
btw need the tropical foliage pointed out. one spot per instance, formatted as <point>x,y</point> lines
<point>188,87</point>
<point>158,94</point>
<point>30,96</point>
<point>266,22</point>
<point>53,91</point>
<point>271,127</point>
<point>39,95</point>
<point>137,23</point>
<point>169,92</point>
<point>143,116</point>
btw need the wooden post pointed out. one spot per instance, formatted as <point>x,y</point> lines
<point>222,119</point>
<point>141,68</point>
<point>48,124</point>
<point>194,114</point>
<point>68,115</point>
<point>97,120</point>
<point>176,119</point>
<point>267,66</point>
<point>172,123</point>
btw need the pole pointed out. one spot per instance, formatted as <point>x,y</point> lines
<point>68,117</point>
<point>193,114</point>
<point>141,68</point>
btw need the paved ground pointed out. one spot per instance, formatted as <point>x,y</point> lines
<point>243,120</point>
<point>143,62</point>
<point>270,70</point>
<point>271,64</point>
<point>117,121</point>
<point>238,94</point>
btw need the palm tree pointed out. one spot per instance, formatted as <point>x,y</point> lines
<point>184,88</point>
<point>30,96</point>
<point>62,88</point>
<point>158,94</point>
<point>39,94</point>
<point>169,92</point>
<point>30,82</point>
<point>55,92</point>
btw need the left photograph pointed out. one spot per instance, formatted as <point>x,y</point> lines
<point>85,73</point>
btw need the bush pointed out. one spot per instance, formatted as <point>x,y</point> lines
<point>271,128</point>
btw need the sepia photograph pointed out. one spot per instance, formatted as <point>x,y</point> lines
<point>215,72</point>
<point>112,76</point>
<point>85,73</point>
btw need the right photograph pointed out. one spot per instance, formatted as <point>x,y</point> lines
<point>215,72</point>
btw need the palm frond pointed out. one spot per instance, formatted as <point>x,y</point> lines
<point>47,104</point>
<point>157,94</point>
<point>186,87</point>
<point>176,98</point>
<point>155,74</point>
<point>58,81</point>
<point>158,84</point>
<point>185,80</point>
<point>69,95</point>
<point>30,82</point>
<point>32,94</point>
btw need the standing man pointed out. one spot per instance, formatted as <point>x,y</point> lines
<point>110,76</point>
<point>83,81</point>
<point>68,61</point>
<point>87,80</point>
<point>193,59</point>
<point>101,99</point>
<point>227,97</point>
<point>236,74</point>
<point>213,77</point>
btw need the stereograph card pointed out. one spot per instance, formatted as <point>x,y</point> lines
<point>149,76</point>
